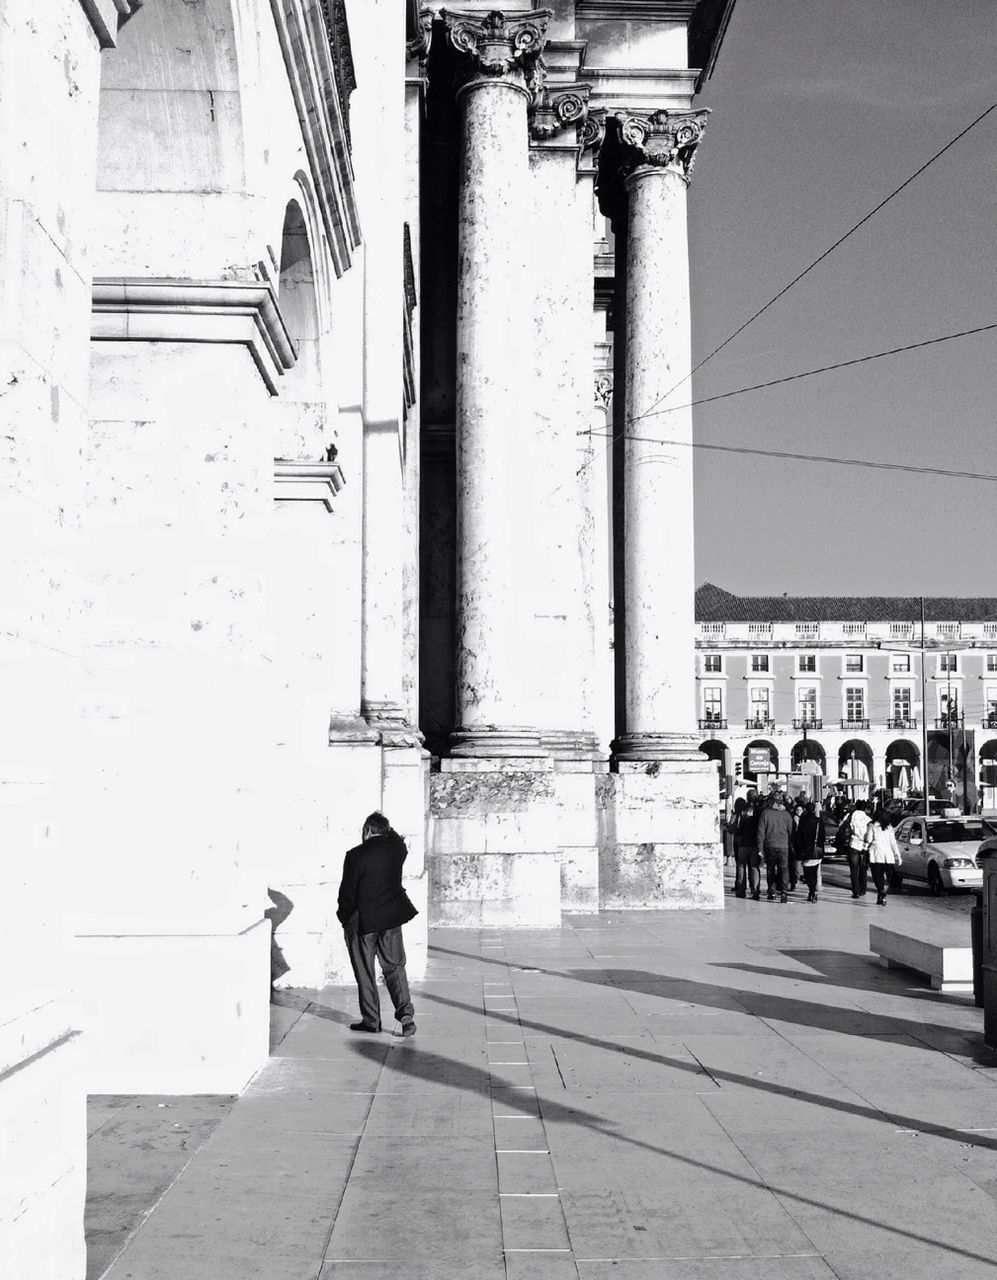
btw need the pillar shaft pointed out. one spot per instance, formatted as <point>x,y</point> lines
<point>493,308</point>
<point>656,155</point>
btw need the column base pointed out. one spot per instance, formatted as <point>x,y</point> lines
<point>489,743</point>
<point>346,731</point>
<point>573,751</point>
<point>391,725</point>
<point>644,748</point>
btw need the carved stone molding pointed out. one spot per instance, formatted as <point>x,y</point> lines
<point>661,139</point>
<point>342,57</point>
<point>227,311</point>
<point>603,390</point>
<point>307,481</point>
<point>315,46</point>
<point>554,111</point>
<point>500,45</point>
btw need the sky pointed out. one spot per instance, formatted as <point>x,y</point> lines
<point>821,108</point>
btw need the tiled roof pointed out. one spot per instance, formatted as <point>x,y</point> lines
<point>713,604</point>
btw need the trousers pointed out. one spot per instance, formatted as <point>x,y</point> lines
<point>777,870</point>
<point>390,951</point>
<point>858,871</point>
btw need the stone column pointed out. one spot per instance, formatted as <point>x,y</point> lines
<point>651,158</point>
<point>499,54</point>
<point>560,479</point>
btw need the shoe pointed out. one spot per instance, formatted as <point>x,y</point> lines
<point>363,1026</point>
<point>408,1027</point>
<point>756,896</point>
<point>783,897</point>
<point>771,895</point>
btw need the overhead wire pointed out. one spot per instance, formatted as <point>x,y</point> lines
<point>810,457</point>
<point>818,260</point>
<point>796,279</point>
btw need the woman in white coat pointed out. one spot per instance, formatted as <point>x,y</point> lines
<point>882,851</point>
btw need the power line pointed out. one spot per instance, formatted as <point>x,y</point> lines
<point>811,457</point>
<point>810,373</point>
<point>817,261</point>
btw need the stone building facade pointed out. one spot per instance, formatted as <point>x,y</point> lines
<point>310,317</point>
<point>860,686</point>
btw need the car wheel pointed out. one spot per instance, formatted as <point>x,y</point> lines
<point>935,881</point>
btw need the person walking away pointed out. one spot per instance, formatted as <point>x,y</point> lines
<point>373,906</point>
<point>858,858</point>
<point>882,851</point>
<point>775,841</point>
<point>747,876</point>
<point>809,849</point>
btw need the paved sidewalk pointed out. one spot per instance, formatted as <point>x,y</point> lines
<point>736,1095</point>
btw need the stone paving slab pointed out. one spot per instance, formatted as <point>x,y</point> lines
<point>718,1095</point>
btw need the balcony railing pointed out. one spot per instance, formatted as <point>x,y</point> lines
<point>809,722</point>
<point>901,722</point>
<point>950,722</point>
<point>713,722</point>
<point>759,723</point>
<point>850,722</point>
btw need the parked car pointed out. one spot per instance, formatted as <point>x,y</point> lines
<point>940,852</point>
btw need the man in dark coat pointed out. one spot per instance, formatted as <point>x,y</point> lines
<point>373,906</point>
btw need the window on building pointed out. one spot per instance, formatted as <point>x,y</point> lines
<point>713,704</point>
<point>808,703</point>
<point>854,702</point>
<point>992,661</point>
<point>711,662</point>
<point>990,628</point>
<point>759,662</point>
<point>948,662</point>
<point>949,707</point>
<point>759,704</point>
<point>900,662</point>
<point>901,703</point>
<point>807,662</point>
<point>990,709</point>
<point>853,662</point>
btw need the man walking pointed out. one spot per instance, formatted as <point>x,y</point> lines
<point>373,906</point>
<point>775,840</point>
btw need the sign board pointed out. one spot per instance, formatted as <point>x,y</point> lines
<point>759,760</point>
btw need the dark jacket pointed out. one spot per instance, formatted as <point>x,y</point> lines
<point>372,886</point>
<point>775,831</point>
<point>810,837</point>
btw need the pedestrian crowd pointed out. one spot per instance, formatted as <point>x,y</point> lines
<point>788,838</point>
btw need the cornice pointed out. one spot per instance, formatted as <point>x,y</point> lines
<point>321,80</point>
<point>307,481</point>
<point>629,10</point>
<point>223,311</point>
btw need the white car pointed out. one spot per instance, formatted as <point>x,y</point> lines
<point>940,852</point>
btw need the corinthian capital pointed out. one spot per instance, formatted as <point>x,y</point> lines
<point>553,112</point>
<point>665,139</point>
<point>500,44</point>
